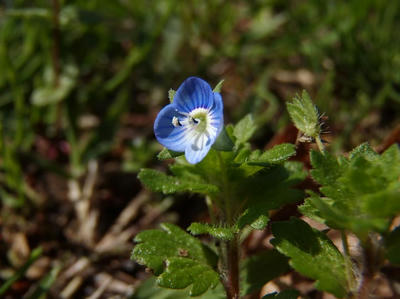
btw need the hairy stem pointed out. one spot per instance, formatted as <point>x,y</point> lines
<point>231,281</point>
<point>347,260</point>
<point>229,252</point>
<point>372,262</point>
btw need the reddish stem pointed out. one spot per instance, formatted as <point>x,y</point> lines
<point>232,276</point>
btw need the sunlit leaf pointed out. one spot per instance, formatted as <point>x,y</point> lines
<point>177,258</point>
<point>160,182</point>
<point>304,114</point>
<point>222,233</point>
<point>168,154</point>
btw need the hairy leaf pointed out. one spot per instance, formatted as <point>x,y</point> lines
<point>304,114</point>
<point>360,192</point>
<point>168,154</point>
<point>150,289</point>
<point>326,169</point>
<point>160,182</point>
<point>255,217</point>
<point>182,272</point>
<point>257,160</point>
<point>186,259</point>
<point>244,129</point>
<point>171,95</point>
<point>218,87</point>
<point>277,154</point>
<point>312,254</point>
<point>222,233</point>
<point>270,189</point>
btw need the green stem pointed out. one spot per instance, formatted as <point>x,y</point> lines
<point>347,260</point>
<point>345,243</point>
<point>211,210</point>
<point>369,269</point>
<point>373,260</point>
<point>226,196</point>
<point>229,249</point>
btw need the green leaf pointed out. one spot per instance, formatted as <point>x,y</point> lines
<point>360,193</point>
<point>167,154</point>
<point>269,189</point>
<point>187,260</point>
<point>243,154</point>
<point>223,141</point>
<point>150,289</point>
<point>182,272</point>
<point>45,283</point>
<point>304,115</point>
<point>285,294</point>
<point>222,233</point>
<point>160,182</point>
<point>325,210</point>
<point>365,151</point>
<point>171,95</point>
<point>258,269</point>
<point>244,129</point>
<point>156,245</point>
<point>390,161</point>
<point>250,162</point>
<point>392,245</point>
<point>312,254</point>
<point>218,87</point>
<point>254,217</point>
<point>383,203</point>
<point>35,254</point>
<point>310,209</point>
<point>326,169</point>
<point>50,92</point>
<point>278,154</point>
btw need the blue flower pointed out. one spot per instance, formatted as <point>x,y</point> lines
<point>192,122</point>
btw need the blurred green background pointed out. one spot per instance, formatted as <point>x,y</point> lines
<point>82,81</point>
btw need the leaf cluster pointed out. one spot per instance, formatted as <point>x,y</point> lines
<point>254,182</point>
<point>250,182</point>
<point>359,193</point>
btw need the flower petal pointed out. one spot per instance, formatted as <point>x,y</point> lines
<point>198,150</point>
<point>173,138</point>
<point>193,93</point>
<point>217,114</point>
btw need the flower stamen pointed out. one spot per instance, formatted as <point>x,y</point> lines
<point>176,122</point>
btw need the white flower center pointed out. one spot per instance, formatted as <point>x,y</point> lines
<point>198,126</point>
